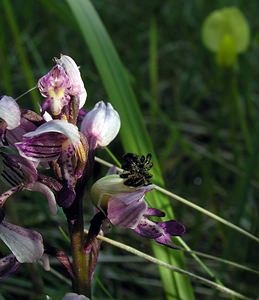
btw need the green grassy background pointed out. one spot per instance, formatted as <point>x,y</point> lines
<point>202,121</point>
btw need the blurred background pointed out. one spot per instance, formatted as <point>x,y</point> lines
<point>201,115</point>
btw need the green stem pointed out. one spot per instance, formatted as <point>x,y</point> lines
<point>80,259</point>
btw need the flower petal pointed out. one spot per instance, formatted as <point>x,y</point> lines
<point>101,123</point>
<point>110,132</point>
<point>46,191</point>
<point>8,265</point>
<point>59,126</point>
<point>45,147</point>
<point>73,73</point>
<point>25,244</point>
<point>10,112</point>
<point>126,215</point>
<point>161,232</point>
<point>172,227</point>
<point>133,196</point>
<point>18,170</point>
<point>74,296</point>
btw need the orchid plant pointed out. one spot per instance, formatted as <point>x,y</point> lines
<point>63,139</point>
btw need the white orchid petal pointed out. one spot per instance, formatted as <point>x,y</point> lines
<point>102,123</point>
<point>25,244</point>
<point>73,73</point>
<point>110,132</point>
<point>59,126</point>
<point>10,112</point>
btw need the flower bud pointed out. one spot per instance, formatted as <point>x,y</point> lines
<point>101,124</point>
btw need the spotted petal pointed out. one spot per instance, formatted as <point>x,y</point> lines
<point>25,244</point>
<point>161,232</point>
<point>45,143</point>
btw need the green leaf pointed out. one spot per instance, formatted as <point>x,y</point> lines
<point>133,132</point>
<point>226,22</point>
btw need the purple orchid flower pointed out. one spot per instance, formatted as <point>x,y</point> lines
<point>61,142</point>
<point>125,206</point>
<point>62,83</point>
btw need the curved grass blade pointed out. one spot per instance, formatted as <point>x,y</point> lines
<point>133,133</point>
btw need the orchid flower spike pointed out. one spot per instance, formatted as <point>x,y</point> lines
<point>101,125</point>
<point>121,199</point>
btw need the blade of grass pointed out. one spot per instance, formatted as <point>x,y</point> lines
<point>25,65</point>
<point>159,262</point>
<point>133,133</point>
<point>153,68</point>
<point>5,68</point>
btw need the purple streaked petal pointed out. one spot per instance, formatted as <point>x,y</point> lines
<point>126,215</point>
<point>10,112</point>
<point>47,192</point>
<point>45,147</point>
<point>25,244</point>
<point>8,266</point>
<point>18,170</point>
<point>58,126</point>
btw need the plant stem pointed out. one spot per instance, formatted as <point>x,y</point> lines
<point>80,259</point>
